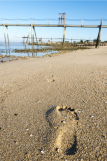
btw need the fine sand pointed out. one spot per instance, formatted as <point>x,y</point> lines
<point>54,108</point>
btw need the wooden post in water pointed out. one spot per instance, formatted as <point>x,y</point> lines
<point>99,34</point>
<point>64,29</point>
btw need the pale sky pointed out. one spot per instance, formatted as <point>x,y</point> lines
<point>93,10</point>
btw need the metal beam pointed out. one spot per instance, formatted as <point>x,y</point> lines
<point>43,25</point>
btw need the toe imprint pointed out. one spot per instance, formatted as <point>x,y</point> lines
<point>49,78</point>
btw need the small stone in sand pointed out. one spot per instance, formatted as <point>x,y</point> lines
<point>14,141</point>
<point>15,114</point>
<point>91,116</point>
<point>27,129</point>
<point>63,122</point>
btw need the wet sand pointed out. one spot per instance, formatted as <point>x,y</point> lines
<point>54,108</point>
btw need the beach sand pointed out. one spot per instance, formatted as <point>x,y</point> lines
<point>54,108</point>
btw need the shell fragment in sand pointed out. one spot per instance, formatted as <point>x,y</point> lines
<point>42,151</point>
<point>79,111</point>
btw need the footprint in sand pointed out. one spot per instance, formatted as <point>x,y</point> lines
<point>63,120</point>
<point>49,78</point>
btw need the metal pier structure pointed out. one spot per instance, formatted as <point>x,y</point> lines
<point>62,23</point>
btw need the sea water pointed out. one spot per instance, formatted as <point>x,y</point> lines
<point>9,50</point>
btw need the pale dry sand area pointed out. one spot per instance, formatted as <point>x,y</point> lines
<point>54,108</point>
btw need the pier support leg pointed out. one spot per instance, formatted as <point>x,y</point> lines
<point>64,29</point>
<point>5,39</point>
<point>28,37</point>
<point>35,33</point>
<point>99,34</point>
<point>4,35</point>
<point>23,40</point>
<point>63,37</point>
<point>7,35</point>
<point>32,36</point>
<point>32,33</point>
<point>8,39</point>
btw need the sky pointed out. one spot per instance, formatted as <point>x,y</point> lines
<point>93,10</point>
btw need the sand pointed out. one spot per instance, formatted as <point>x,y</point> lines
<point>54,108</point>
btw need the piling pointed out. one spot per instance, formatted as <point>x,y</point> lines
<point>64,29</point>
<point>99,34</point>
<point>28,37</point>
<point>7,35</point>
<point>8,39</point>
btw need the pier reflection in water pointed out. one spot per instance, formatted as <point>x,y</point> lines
<point>7,51</point>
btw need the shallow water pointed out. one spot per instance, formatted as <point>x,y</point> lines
<point>8,50</point>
